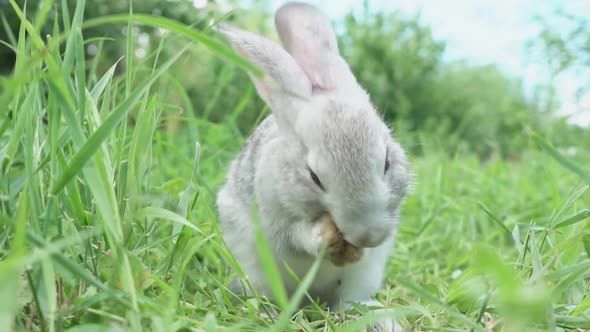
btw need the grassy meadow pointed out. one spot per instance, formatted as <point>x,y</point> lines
<point>108,220</point>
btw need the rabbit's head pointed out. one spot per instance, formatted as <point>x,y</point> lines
<point>348,164</point>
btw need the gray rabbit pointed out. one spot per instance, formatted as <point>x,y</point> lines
<point>323,170</point>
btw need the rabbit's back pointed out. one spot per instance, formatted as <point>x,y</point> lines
<point>239,185</point>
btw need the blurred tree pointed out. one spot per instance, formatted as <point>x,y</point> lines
<point>567,48</point>
<point>396,60</point>
<point>477,109</point>
<point>480,109</point>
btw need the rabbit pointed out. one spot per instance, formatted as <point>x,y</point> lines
<point>322,171</point>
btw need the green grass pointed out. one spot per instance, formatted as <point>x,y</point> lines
<point>110,222</point>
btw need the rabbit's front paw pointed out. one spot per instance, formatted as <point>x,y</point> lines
<point>340,252</point>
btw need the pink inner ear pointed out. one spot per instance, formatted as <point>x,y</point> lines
<point>308,36</point>
<point>313,69</point>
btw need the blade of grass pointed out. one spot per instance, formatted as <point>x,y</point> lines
<point>566,162</point>
<point>49,282</point>
<point>34,290</point>
<point>180,28</point>
<point>78,271</point>
<point>129,59</point>
<point>573,219</point>
<point>189,194</point>
<point>65,14</point>
<point>431,299</point>
<point>11,38</point>
<point>269,265</point>
<point>495,219</point>
<point>105,80</point>
<point>100,135</point>
<point>572,322</point>
<point>156,212</point>
<point>299,293</point>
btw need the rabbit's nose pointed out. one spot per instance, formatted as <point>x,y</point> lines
<point>366,239</point>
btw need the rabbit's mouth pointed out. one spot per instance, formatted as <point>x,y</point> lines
<point>366,236</point>
<point>359,234</point>
<point>363,242</point>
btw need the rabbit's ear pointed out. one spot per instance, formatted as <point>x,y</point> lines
<point>309,37</point>
<point>283,82</point>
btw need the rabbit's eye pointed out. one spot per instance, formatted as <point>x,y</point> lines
<point>386,162</point>
<point>315,179</point>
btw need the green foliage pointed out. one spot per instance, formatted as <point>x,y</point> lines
<point>566,49</point>
<point>466,107</point>
<point>396,60</point>
<point>480,110</point>
<point>107,221</point>
<point>181,10</point>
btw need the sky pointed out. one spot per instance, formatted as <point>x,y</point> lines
<point>485,32</point>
